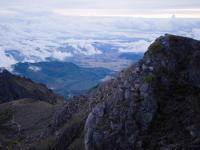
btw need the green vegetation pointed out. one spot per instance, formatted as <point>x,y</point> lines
<point>47,143</point>
<point>149,78</point>
<point>173,38</point>
<point>14,144</point>
<point>5,116</point>
<point>155,47</point>
<point>78,143</point>
<point>140,98</point>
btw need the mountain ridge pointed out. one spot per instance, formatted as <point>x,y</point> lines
<point>14,87</point>
<point>151,105</point>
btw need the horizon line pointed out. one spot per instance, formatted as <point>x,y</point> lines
<point>162,13</point>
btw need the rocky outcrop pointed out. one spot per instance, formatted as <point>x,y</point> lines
<point>152,105</point>
<point>126,110</point>
<point>14,87</point>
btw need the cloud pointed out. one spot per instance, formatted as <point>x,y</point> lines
<point>196,33</point>
<point>34,68</point>
<point>84,47</point>
<point>136,47</point>
<point>38,36</point>
<point>6,61</point>
<point>131,4</point>
<point>61,55</point>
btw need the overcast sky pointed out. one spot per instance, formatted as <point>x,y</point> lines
<point>105,4</point>
<point>187,8</point>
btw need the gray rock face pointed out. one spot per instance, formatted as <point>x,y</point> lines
<point>145,92</point>
<point>121,118</point>
<point>152,105</point>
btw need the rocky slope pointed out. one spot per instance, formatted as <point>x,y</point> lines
<point>14,87</point>
<point>154,104</point>
<point>22,123</point>
<point>26,109</point>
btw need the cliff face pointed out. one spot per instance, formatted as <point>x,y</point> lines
<point>14,87</point>
<point>154,104</point>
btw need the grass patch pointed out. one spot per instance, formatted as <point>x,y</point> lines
<point>149,78</point>
<point>78,144</point>
<point>47,143</point>
<point>155,47</point>
<point>15,144</point>
<point>6,116</point>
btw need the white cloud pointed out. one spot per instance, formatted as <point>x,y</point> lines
<point>34,68</point>
<point>42,35</point>
<point>196,33</point>
<point>137,47</point>
<point>84,47</point>
<point>61,55</point>
<point>107,78</point>
<point>6,61</point>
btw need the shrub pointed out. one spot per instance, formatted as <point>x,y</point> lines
<point>149,78</point>
<point>5,116</point>
<point>155,47</point>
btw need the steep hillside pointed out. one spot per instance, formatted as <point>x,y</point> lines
<point>64,78</point>
<point>26,109</point>
<point>154,104</point>
<point>23,122</point>
<point>13,87</point>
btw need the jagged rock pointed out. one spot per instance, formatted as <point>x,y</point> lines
<point>168,65</point>
<point>152,105</point>
<point>128,94</point>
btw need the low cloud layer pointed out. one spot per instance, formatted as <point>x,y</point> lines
<point>38,36</point>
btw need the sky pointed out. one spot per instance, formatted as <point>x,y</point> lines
<point>134,8</point>
<point>106,4</point>
<point>36,30</point>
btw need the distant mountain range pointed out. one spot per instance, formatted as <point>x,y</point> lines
<point>65,78</point>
